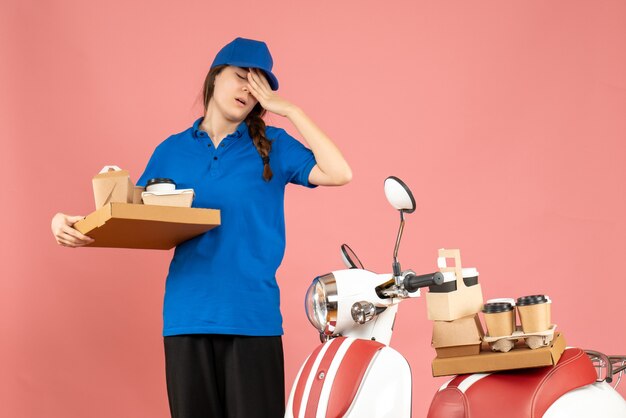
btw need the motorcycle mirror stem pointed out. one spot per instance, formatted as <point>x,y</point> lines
<point>397,269</point>
<point>400,197</point>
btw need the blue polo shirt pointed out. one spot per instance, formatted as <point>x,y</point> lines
<point>224,281</point>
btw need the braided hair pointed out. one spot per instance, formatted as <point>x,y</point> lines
<point>254,121</point>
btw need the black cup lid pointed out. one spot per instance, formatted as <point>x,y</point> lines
<point>531,300</point>
<point>160,181</point>
<point>497,307</point>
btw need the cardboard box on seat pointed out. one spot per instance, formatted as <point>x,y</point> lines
<point>520,357</point>
<point>461,337</point>
<point>127,225</point>
<point>464,301</point>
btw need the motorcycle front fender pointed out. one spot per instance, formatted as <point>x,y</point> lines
<point>348,377</point>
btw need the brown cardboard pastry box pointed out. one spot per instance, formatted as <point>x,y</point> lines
<point>179,197</point>
<point>461,337</point>
<point>520,357</point>
<point>127,225</point>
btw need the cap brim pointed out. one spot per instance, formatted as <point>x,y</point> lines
<point>271,78</point>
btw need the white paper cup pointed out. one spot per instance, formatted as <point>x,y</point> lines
<point>160,185</point>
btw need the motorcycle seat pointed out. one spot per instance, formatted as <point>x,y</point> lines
<point>515,393</point>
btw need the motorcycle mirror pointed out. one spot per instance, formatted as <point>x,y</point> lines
<point>349,258</point>
<point>399,195</point>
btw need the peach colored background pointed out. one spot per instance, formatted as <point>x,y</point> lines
<point>507,119</point>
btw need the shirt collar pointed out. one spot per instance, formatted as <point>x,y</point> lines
<point>199,133</point>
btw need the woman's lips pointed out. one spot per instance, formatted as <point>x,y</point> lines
<point>240,103</point>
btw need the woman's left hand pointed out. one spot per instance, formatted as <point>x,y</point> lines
<point>261,90</point>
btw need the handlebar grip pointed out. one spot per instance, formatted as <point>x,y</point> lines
<point>413,282</point>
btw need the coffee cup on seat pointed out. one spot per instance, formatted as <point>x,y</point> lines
<point>499,318</point>
<point>470,278</point>
<point>534,313</point>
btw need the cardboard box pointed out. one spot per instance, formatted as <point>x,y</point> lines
<point>454,305</point>
<point>461,337</point>
<point>179,197</point>
<point>137,191</point>
<point>112,184</point>
<point>520,357</point>
<point>462,302</point>
<point>125,225</point>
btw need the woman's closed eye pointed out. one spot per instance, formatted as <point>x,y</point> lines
<point>240,76</point>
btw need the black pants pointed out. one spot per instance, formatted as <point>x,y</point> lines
<point>225,376</point>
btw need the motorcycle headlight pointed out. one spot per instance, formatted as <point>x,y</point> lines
<point>321,303</point>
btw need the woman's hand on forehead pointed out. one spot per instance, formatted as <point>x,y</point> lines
<point>260,74</point>
<point>261,90</point>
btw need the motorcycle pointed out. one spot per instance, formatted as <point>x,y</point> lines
<point>355,373</point>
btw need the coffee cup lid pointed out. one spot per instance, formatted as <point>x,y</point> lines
<point>502,300</point>
<point>470,272</point>
<point>160,180</point>
<point>449,276</point>
<point>497,307</point>
<point>532,300</point>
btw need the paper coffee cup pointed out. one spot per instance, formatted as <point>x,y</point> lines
<point>160,185</point>
<point>470,278</point>
<point>499,318</point>
<point>502,300</point>
<point>534,313</point>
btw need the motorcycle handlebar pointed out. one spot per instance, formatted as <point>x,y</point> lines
<point>413,282</point>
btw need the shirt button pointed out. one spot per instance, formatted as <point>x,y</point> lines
<point>215,158</point>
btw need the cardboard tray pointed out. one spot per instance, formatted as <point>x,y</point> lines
<point>519,334</point>
<point>520,357</point>
<point>127,225</point>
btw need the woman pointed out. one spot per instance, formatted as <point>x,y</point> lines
<point>222,322</point>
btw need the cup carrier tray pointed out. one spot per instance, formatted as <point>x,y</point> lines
<point>532,339</point>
